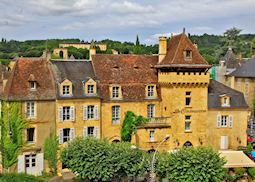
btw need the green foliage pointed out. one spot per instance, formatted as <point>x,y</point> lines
<point>130,123</point>
<point>78,53</point>
<point>251,172</point>
<point>50,152</point>
<point>5,61</point>
<point>191,164</point>
<point>94,159</point>
<point>13,125</point>
<point>21,177</point>
<point>239,172</point>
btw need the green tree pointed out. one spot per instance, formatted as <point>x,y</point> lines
<point>191,164</point>
<point>50,152</point>
<point>93,159</point>
<point>12,126</point>
<point>130,123</point>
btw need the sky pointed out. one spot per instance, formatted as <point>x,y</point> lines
<point>122,19</point>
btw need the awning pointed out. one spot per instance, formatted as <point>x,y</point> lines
<point>236,159</point>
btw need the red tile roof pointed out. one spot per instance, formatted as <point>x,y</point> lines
<point>175,53</point>
<point>18,88</point>
<point>132,72</point>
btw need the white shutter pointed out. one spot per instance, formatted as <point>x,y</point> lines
<point>218,121</point>
<point>96,112</point>
<point>119,114</point>
<point>39,163</point>
<point>60,113</point>
<point>71,134</point>
<point>96,132</point>
<point>230,121</point>
<point>72,113</point>
<point>154,111</point>
<point>21,163</point>
<point>85,131</point>
<point>85,112</point>
<point>35,109</point>
<point>60,136</point>
<point>224,142</point>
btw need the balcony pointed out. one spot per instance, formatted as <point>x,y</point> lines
<point>157,122</point>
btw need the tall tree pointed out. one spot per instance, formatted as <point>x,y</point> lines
<point>12,126</point>
<point>137,47</point>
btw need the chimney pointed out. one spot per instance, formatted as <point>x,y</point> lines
<point>162,48</point>
<point>46,55</point>
<point>92,51</point>
<point>195,44</point>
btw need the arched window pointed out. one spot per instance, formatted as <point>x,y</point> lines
<point>187,144</point>
<point>115,141</point>
<point>61,54</point>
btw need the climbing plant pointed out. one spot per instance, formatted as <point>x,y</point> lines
<point>130,123</point>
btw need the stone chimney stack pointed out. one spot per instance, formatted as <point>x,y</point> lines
<point>46,55</point>
<point>162,48</point>
<point>92,51</point>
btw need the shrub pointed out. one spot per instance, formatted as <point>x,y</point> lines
<point>191,164</point>
<point>251,172</point>
<point>21,177</point>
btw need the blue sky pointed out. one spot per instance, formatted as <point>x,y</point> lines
<point>121,19</point>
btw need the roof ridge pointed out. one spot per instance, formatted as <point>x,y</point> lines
<point>177,48</point>
<point>9,81</point>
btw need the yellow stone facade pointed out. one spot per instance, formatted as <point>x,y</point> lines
<point>103,47</point>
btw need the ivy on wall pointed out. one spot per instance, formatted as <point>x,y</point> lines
<point>130,123</point>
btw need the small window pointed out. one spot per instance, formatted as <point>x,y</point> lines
<point>30,160</point>
<point>30,109</point>
<point>225,102</point>
<point>91,131</point>
<point>188,99</point>
<point>30,135</point>
<point>224,120</point>
<point>66,134</point>
<point>66,113</point>
<point>90,112</point>
<point>152,136</point>
<point>187,123</point>
<point>150,91</point>
<point>90,89</point>
<point>115,92</point>
<point>115,114</point>
<point>151,111</point>
<point>66,90</point>
<point>32,85</point>
<point>188,54</point>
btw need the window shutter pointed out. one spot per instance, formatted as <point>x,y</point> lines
<point>21,163</point>
<point>230,121</point>
<point>96,112</point>
<point>96,134</point>
<point>218,121</point>
<point>72,113</point>
<point>60,113</point>
<point>39,163</point>
<point>154,111</point>
<point>85,131</point>
<point>60,136</point>
<point>119,114</point>
<point>35,109</point>
<point>71,134</point>
<point>85,112</point>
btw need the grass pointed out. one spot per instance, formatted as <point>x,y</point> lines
<point>21,177</point>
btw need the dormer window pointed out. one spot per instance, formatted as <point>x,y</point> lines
<point>115,92</point>
<point>187,54</point>
<point>32,85</point>
<point>66,89</point>
<point>225,101</point>
<point>151,91</point>
<point>90,89</point>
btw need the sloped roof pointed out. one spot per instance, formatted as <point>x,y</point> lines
<point>247,69</point>
<point>175,54</point>
<point>230,59</point>
<point>77,72</point>
<point>18,88</point>
<point>216,89</point>
<point>132,72</point>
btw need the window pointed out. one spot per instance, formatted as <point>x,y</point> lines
<point>150,91</point>
<point>152,138</point>
<point>66,90</point>
<point>224,120</point>
<point>30,109</point>
<point>188,99</point>
<point>115,92</point>
<point>187,123</point>
<point>225,102</point>
<point>66,134</point>
<point>66,113</point>
<point>32,85</point>
<point>30,135</point>
<point>151,111</point>
<point>30,160</point>
<point>91,131</point>
<point>115,114</point>
<point>90,113</point>
<point>90,89</point>
<point>188,54</point>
